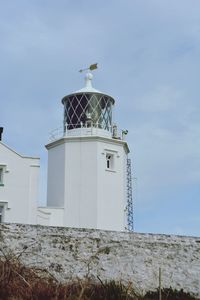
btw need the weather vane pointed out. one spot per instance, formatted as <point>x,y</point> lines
<point>91,68</point>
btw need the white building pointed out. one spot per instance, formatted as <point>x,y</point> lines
<point>89,178</point>
<point>87,167</point>
<point>18,186</point>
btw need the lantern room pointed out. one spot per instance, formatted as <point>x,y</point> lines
<point>88,108</point>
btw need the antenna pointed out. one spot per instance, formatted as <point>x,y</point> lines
<point>91,68</point>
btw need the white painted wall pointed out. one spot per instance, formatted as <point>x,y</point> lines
<point>19,192</point>
<point>111,186</point>
<point>93,196</point>
<point>56,176</point>
<point>50,216</point>
<point>81,183</point>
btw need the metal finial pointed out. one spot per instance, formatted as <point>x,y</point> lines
<point>91,68</point>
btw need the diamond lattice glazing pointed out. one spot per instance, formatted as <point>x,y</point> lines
<point>88,109</point>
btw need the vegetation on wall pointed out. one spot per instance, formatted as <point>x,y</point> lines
<point>19,282</point>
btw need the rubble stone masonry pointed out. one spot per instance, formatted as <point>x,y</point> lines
<point>70,253</point>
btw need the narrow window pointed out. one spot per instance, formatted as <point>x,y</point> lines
<point>109,161</point>
<point>1,175</point>
<point>1,214</point>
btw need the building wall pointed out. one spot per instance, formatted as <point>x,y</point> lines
<point>19,192</point>
<point>50,216</point>
<point>56,176</point>
<point>111,187</point>
<point>69,253</point>
<point>81,183</point>
<point>93,196</point>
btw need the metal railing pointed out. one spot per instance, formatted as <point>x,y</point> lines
<point>81,128</point>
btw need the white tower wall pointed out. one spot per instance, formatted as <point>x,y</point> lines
<point>81,183</point>
<point>56,169</point>
<point>112,186</point>
<point>94,196</point>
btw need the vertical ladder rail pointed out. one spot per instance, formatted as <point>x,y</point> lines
<point>130,224</point>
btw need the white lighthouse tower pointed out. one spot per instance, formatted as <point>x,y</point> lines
<point>87,167</point>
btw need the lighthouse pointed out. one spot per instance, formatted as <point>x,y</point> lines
<point>88,184</point>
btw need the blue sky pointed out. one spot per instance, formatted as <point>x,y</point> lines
<point>148,53</point>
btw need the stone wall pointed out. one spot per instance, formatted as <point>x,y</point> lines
<point>69,253</point>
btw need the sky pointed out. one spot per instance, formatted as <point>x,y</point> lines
<point>148,53</point>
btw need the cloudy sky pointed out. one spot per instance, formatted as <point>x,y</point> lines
<point>148,53</point>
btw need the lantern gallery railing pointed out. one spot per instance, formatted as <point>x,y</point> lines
<point>79,129</point>
<point>87,124</point>
<point>89,128</point>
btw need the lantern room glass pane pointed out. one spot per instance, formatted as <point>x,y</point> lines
<point>88,109</point>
